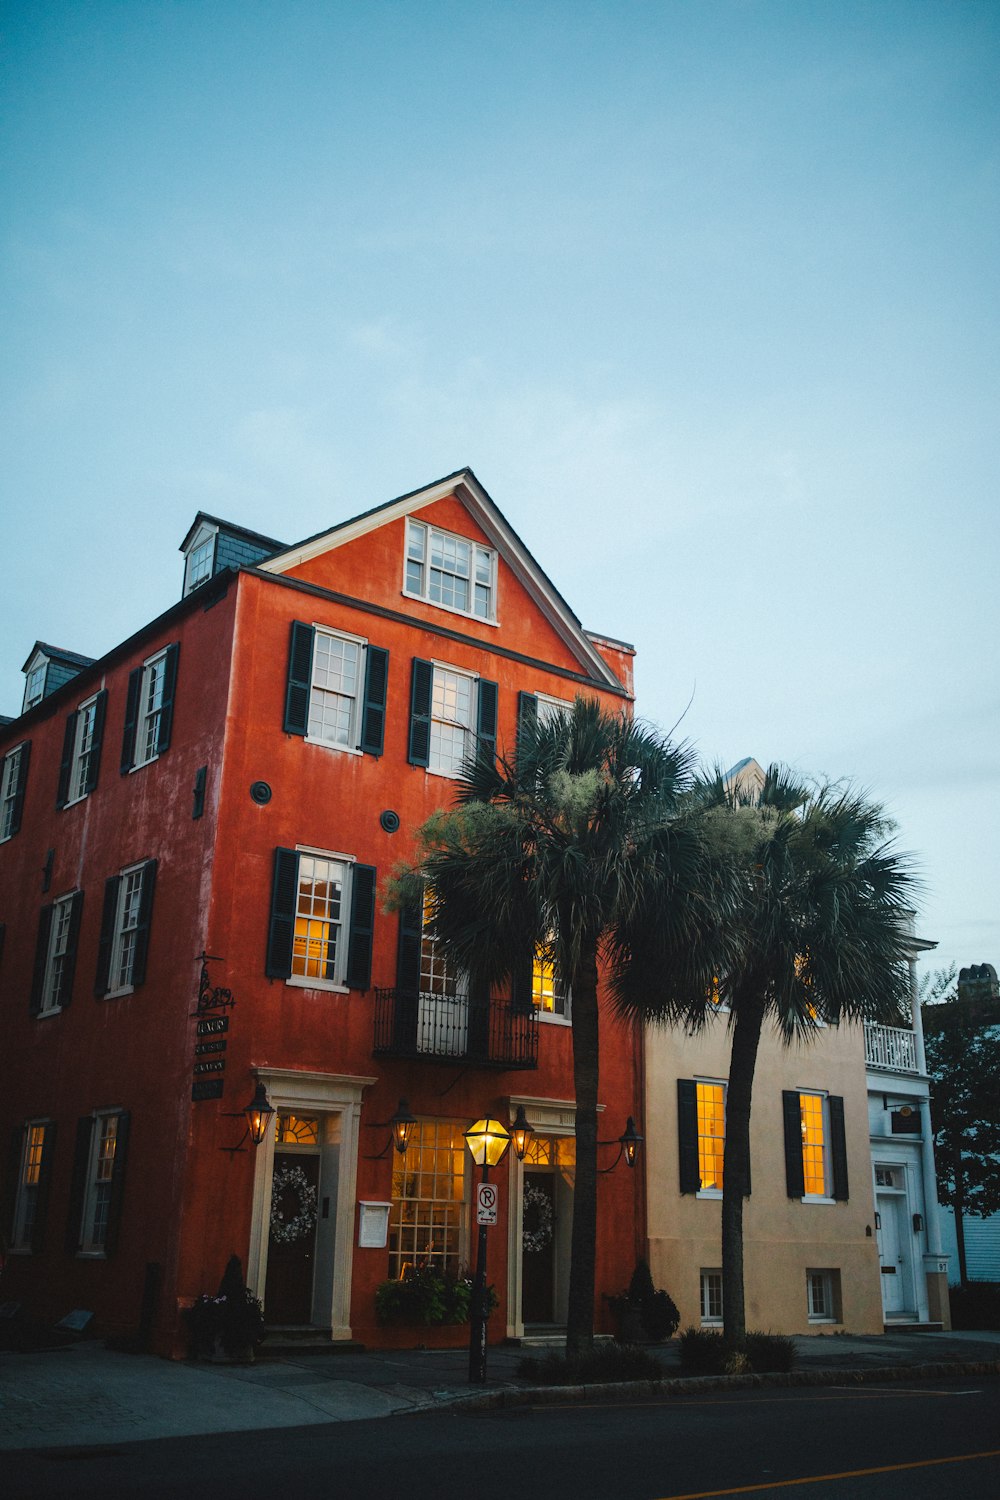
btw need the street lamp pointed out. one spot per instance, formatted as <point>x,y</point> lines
<point>487,1141</point>
<point>628,1144</point>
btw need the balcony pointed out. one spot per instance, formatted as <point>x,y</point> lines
<point>890,1048</point>
<point>455,1029</point>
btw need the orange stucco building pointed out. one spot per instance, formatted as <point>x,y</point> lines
<point>195,834</point>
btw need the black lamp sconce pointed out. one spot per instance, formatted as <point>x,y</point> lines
<point>257,1116</point>
<point>521,1133</point>
<point>918,1223</point>
<point>628,1144</point>
<point>400,1128</point>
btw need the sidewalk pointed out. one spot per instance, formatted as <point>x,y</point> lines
<point>86,1394</point>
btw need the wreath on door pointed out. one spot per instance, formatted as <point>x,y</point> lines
<point>292,1179</point>
<point>538,1220</point>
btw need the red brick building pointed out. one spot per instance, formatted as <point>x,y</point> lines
<point>237,780</point>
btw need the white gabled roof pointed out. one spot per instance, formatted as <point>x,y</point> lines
<point>466,488</point>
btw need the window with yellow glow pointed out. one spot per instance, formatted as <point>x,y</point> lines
<point>27,1190</point>
<point>319,915</point>
<point>813,1144</point>
<point>547,990</point>
<point>427,1218</point>
<point>711,1134</point>
<point>296,1130</point>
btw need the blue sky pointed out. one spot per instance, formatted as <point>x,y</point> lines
<point>706,294</point>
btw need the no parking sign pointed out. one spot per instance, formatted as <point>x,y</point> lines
<point>486,1203</point>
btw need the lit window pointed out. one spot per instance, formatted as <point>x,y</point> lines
<point>12,780</point>
<point>711,1296</point>
<point>427,1219</point>
<point>547,990</point>
<point>28,1184</point>
<point>100,1173</point>
<point>296,1130</point>
<point>322,920</point>
<point>711,1134</point>
<point>318,947</point>
<point>450,571</point>
<point>814,1153</point>
<point>816,1160</point>
<point>822,1294</point>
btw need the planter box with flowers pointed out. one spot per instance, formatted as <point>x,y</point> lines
<point>228,1326</point>
<point>641,1312</point>
<point>426,1295</point>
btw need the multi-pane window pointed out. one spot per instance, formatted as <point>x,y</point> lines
<point>549,710</point>
<point>814,1151</point>
<point>28,1185</point>
<point>821,1290</point>
<point>437,977</point>
<point>427,1219</point>
<point>100,1173</point>
<point>711,1296</point>
<point>336,680</point>
<point>548,992</point>
<point>318,946</point>
<point>450,570</point>
<point>452,720</point>
<point>11,790</point>
<point>126,928</point>
<point>711,1134</point>
<point>199,563</point>
<point>56,960</point>
<point>296,1130</point>
<point>34,687</point>
<point>150,709</point>
<point>83,749</point>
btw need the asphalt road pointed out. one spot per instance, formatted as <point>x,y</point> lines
<point>920,1441</point>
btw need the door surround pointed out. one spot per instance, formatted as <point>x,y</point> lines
<point>292,1091</point>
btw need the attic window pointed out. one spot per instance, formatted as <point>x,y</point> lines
<point>34,687</point>
<point>200,559</point>
<point>450,571</point>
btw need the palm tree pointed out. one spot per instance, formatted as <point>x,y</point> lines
<point>817,935</point>
<point>555,852</point>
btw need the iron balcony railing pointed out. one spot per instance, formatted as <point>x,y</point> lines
<point>891,1048</point>
<point>454,1028</point>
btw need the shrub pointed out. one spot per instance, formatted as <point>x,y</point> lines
<point>704,1352</point>
<point>231,1321</point>
<point>605,1362</point>
<point>976,1305</point>
<point>642,1310</point>
<point>425,1294</point>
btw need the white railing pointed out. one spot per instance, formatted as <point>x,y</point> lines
<point>891,1048</point>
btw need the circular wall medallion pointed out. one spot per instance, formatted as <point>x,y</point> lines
<point>389,820</point>
<point>260,792</point>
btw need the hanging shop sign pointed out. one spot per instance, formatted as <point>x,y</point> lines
<point>212,1015</point>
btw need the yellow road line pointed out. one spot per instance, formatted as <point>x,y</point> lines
<point>781,1484</point>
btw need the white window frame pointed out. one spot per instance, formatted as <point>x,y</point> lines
<point>150,708</point>
<point>205,537</point>
<point>429,1226</point>
<point>352,744</point>
<point>127,911</point>
<point>821,1295</point>
<point>83,743</point>
<point>343,923</point>
<point>62,917</point>
<point>452,769</point>
<point>8,788</point>
<point>417,569</point>
<point>100,1179</point>
<point>561,993</point>
<point>547,708</point>
<point>34,684</point>
<point>710,1295</point>
<point>26,1201</point>
<point>714,1083</point>
<point>824,1098</point>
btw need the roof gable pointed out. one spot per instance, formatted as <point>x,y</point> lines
<point>464,487</point>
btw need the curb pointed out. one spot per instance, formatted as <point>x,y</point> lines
<point>552,1395</point>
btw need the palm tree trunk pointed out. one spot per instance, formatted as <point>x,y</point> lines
<point>958,1208</point>
<point>580,1312</point>
<point>736,1166</point>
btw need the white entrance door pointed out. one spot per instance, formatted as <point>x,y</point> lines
<point>894,1254</point>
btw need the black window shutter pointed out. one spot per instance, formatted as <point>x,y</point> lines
<point>66,763</point>
<point>102,980</point>
<point>687,1135</point>
<point>50,859</point>
<point>411,931</point>
<point>166,723</point>
<point>78,1183</point>
<point>44,1185</point>
<point>421,686</point>
<point>521,1000</point>
<point>11,1181</point>
<point>373,708</point>
<point>300,655</point>
<point>838,1148</point>
<point>359,949</point>
<point>17,806</point>
<point>41,957</point>
<point>281,928</point>
<point>795,1177</point>
<point>200,779</point>
<point>486,716</point>
<point>131,719</point>
<point>142,931</point>
<point>97,740</point>
<point>117,1183</point>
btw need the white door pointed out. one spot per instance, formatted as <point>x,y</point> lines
<point>894,1254</point>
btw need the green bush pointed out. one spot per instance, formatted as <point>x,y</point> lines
<point>976,1305</point>
<point>644,1311</point>
<point>704,1352</point>
<point>427,1295</point>
<point>606,1362</point>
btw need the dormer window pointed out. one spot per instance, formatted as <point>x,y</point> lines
<point>450,571</point>
<point>200,559</point>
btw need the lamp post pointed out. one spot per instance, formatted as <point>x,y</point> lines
<point>487,1141</point>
